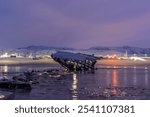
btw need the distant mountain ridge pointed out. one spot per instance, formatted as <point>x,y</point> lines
<point>124,49</point>
<point>97,49</point>
<point>40,48</point>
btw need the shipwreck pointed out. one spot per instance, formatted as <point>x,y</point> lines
<point>75,61</point>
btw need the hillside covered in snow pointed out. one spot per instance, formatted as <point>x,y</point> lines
<point>121,50</point>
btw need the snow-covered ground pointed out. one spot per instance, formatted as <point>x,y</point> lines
<point>122,50</point>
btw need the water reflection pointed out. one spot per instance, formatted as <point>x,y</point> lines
<point>146,77</point>
<point>115,80</point>
<point>17,69</point>
<point>135,77</point>
<point>108,75</point>
<point>5,72</point>
<point>74,87</point>
<point>5,69</point>
<point>125,76</point>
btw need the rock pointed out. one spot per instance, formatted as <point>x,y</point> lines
<point>13,84</point>
<point>6,95</point>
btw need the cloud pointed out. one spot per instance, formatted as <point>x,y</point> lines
<point>80,24</point>
<point>124,31</point>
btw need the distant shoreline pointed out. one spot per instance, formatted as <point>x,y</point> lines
<point>123,62</point>
<point>14,61</point>
<point>51,62</point>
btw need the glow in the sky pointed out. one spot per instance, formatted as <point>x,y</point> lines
<point>74,23</point>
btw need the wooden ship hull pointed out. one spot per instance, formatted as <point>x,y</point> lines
<point>75,61</point>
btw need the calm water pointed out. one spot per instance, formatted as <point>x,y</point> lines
<point>108,82</point>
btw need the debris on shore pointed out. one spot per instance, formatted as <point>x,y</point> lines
<point>28,78</point>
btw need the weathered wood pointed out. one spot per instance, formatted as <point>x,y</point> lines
<point>75,61</point>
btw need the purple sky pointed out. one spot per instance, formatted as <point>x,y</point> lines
<point>74,23</point>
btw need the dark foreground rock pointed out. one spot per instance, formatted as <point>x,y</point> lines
<point>6,95</point>
<point>14,84</point>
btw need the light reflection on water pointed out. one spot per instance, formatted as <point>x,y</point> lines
<point>104,77</point>
<point>75,87</point>
<point>115,78</point>
<point>5,69</point>
<point>146,77</point>
<point>135,76</point>
<point>7,72</point>
<point>4,72</point>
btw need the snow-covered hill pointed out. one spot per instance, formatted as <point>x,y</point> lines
<point>41,48</point>
<point>122,50</point>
